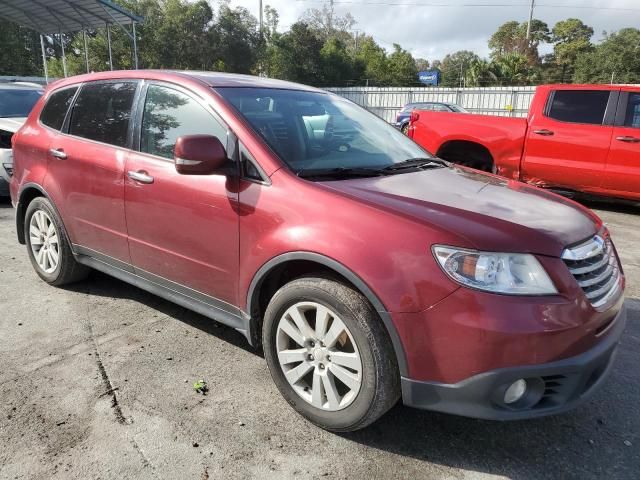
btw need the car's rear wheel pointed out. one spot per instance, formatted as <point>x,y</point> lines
<point>329,354</point>
<point>49,251</point>
<point>405,129</point>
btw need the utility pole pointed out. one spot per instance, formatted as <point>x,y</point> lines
<point>530,19</point>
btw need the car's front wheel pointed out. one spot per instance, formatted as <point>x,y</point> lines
<point>329,354</point>
<point>49,250</point>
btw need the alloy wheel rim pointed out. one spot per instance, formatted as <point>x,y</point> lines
<point>43,239</point>
<point>318,356</point>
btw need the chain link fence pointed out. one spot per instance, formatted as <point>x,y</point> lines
<point>386,102</point>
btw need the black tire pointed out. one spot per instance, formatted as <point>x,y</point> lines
<point>67,269</point>
<point>405,129</point>
<point>380,387</point>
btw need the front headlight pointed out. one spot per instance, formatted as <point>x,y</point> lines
<point>508,273</point>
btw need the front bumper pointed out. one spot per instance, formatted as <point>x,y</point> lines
<point>555,387</point>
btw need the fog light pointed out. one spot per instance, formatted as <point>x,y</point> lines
<point>515,391</point>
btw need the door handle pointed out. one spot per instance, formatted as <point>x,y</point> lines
<point>140,176</point>
<point>628,139</point>
<point>544,132</point>
<point>58,153</point>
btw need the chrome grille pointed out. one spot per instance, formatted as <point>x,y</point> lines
<point>595,267</point>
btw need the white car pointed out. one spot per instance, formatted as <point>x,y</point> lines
<point>16,101</point>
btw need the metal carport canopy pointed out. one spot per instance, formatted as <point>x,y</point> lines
<point>50,17</point>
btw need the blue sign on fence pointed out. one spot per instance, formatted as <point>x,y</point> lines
<point>429,77</point>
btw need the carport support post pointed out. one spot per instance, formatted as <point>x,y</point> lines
<point>44,60</point>
<point>64,57</point>
<point>109,44</point>
<point>135,45</point>
<point>86,50</point>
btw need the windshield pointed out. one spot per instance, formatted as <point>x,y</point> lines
<point>318,131</point>
<point>17,103</point>
<point>458,108</point>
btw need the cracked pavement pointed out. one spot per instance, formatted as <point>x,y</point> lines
<point>96,382</point>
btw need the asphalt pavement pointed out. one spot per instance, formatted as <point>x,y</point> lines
<point>96,381</point>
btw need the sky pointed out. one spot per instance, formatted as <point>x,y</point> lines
<point>432,28</point>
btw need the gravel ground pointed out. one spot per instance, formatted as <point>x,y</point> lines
<point>96,382</point>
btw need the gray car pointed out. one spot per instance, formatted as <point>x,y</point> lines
<point>16,101</point>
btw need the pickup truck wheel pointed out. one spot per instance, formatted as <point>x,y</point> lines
<point>48,249</point>
<point>329,354</point>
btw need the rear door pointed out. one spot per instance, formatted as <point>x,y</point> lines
<point>622,176</point>
<point>183,229</point>
<point>568,143</point>
<point>86,168</point>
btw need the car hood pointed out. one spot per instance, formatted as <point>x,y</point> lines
<point>11,124</point>
<point>487,212</point>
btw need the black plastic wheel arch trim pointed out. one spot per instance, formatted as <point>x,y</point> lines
<point>262,273</point>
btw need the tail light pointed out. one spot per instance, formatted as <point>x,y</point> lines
<point>412,119</point>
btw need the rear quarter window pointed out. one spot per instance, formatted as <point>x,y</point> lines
<point>579,106</point>
<point>56,108</point>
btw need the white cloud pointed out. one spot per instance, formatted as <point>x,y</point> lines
<point>432,32</point>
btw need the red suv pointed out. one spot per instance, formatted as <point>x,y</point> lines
<point>366,268</point>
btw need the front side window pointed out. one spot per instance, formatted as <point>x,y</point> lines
<point>579,106</point>
<point>314,130</point>
<point>55,110</point>
<point>632,118</point>
<point>169,114</point>
<point>102,112</point>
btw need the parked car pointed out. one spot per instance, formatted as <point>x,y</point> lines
<point>367,269</point>
<point>576,138</point>
<point>402,118</point>
<point>16,101</point>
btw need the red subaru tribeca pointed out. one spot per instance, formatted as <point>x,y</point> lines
<point>366,268</point>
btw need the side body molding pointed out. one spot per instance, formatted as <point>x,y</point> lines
<point>262,273</point>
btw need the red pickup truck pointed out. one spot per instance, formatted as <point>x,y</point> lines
<point>576,138</point>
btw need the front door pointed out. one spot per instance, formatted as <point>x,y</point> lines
<point>622,177</point>
<point>183,229</point>
<point>568,143</point>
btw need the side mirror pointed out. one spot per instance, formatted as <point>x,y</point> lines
<point>199,155</point>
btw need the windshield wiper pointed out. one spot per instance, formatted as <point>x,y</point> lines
<point>416,163</point>
<point>341,172</point>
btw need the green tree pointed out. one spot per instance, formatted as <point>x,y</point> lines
<point>295,55</point>
<point>571,38</point>
<point>481,73</point>
<point>20,53</point>
<point>454,67</point>
<point>616,58</point>
<point>338,68</point>
<point>402,68</point>
<point>374,59</point>
<point>511,37</point>
<point>237,33</point>
<point>514,69</point>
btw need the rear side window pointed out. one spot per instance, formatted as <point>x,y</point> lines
<point>579,106</point>
<point>55,110</point>
<point>102,112</point>
<point>169,114</point>
<point>632,118</point>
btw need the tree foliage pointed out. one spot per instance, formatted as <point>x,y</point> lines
<point>323,48</point>
<point>615,60</point>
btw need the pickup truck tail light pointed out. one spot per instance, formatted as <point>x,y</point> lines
<point>412,119</point>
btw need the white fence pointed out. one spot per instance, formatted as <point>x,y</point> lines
<point>386,102</point>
